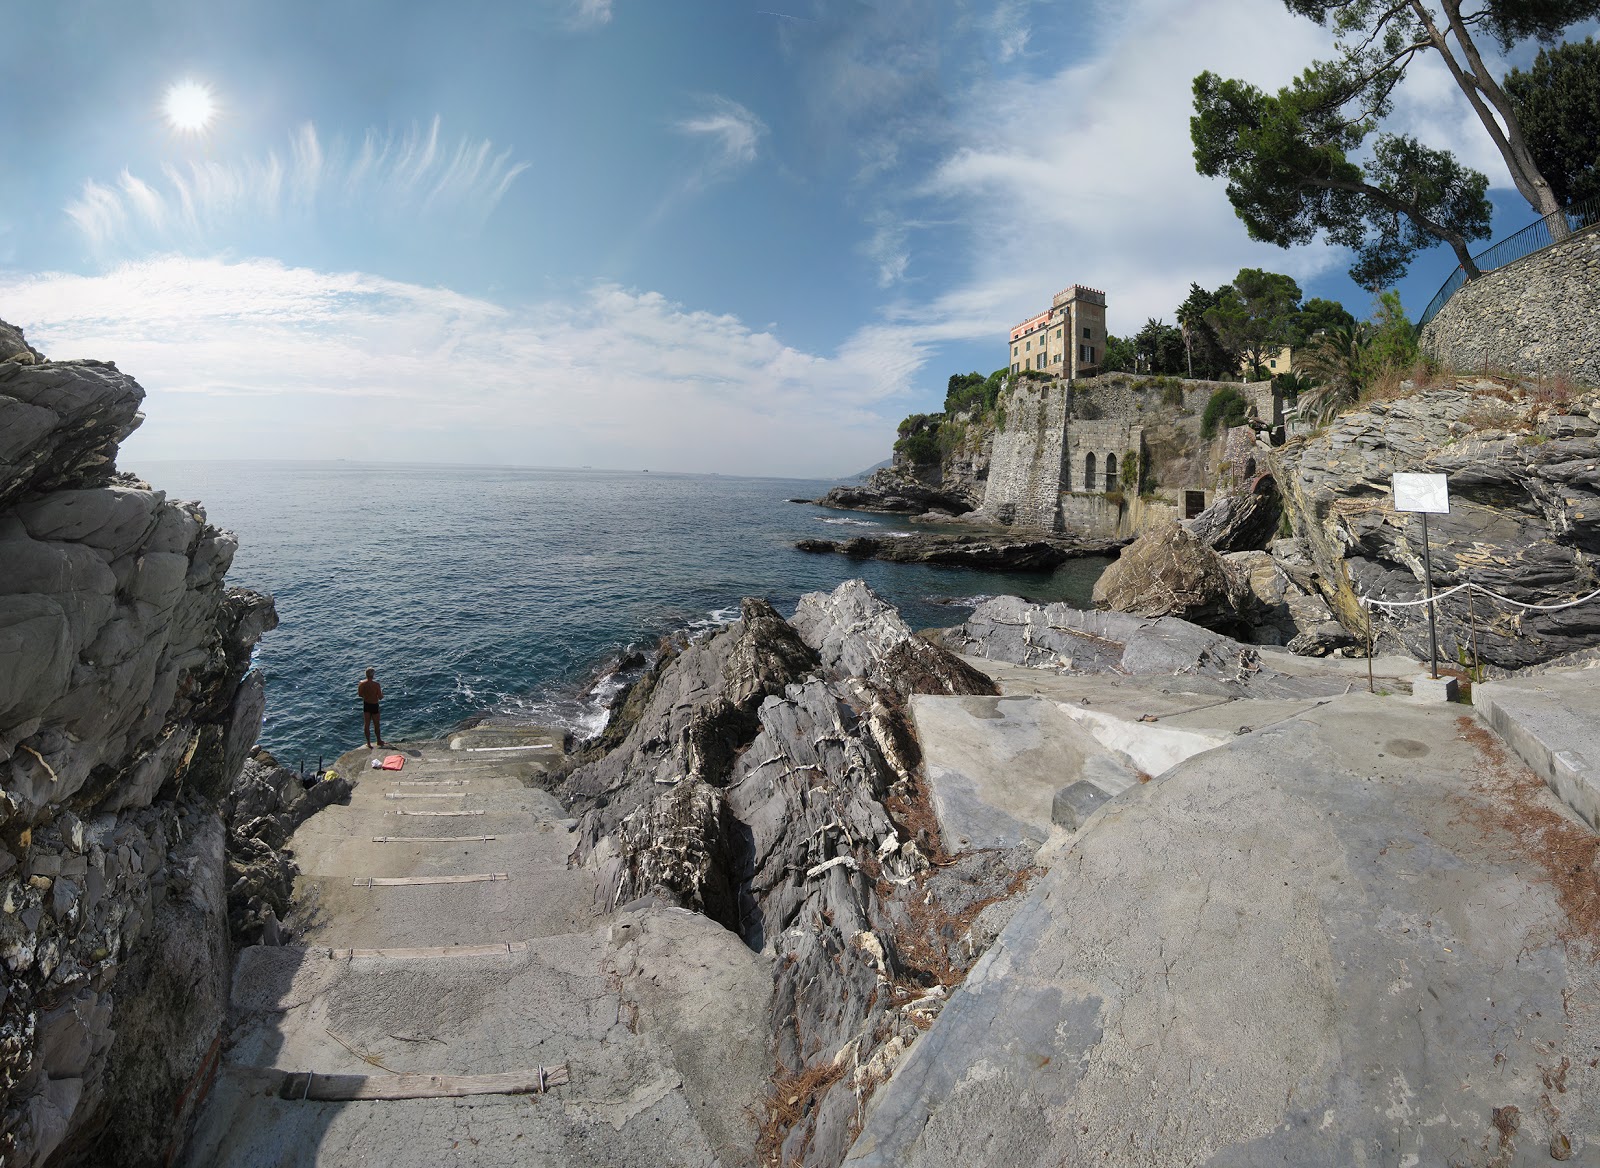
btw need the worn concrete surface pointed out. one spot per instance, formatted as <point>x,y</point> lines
<point>1330,943</point>
<point>650,1007</point>
<point>1552,720</point>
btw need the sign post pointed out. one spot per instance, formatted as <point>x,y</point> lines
<point>1425,494</point>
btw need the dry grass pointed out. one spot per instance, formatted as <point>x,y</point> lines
<point>1515,808</point>
<point>922,941</point>
<point>793,1096</point>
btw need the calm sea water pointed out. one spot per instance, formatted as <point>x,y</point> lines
<point>503,590</point>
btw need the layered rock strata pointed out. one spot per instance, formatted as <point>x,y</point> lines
<point>996,552</point>
<point>1524,473</point>
<point>126,709</point>
<point>769,779</point>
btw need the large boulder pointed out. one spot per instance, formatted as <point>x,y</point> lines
<point>1524,516</point>
<point>1169,572</point>
<point>1243,521</point>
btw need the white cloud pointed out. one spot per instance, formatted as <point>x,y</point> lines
<point>389,174</point>
<point>1086,175</point>
<point>255,359</point>
<point>732,132</point>
<point>591,13</point>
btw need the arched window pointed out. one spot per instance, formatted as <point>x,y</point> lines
<point>1088,472</point>
<point>1111,472</point>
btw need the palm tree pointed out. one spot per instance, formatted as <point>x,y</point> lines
<point>1337,360</point>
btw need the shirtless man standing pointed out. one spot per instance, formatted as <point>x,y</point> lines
<point>371,693</point>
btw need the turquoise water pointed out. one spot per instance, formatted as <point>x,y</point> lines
<point>507,591</point>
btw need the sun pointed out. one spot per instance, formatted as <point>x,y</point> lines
<point>189,107</point>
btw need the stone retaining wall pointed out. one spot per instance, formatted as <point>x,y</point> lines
<point>1538,315</point>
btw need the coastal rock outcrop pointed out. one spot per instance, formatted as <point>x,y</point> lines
<point>893,490</point>
<point>1524,515</point>
<point>995,552</point>
<point>125,707</point>
<point>1170,572</point>
<point>805,831</point>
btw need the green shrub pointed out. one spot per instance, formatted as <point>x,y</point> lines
<point>1226,409</point>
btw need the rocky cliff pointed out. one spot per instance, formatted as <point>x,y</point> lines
<point>127,706</point>
<point>1524,515</point>
<point>767,776</point>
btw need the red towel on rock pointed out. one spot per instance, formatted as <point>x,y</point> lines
<point>394,762</point>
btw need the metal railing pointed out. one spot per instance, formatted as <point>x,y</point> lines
<point>1537,236</point>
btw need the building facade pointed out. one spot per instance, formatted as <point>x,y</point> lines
<point>1067,340</point>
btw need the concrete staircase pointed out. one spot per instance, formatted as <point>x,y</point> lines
<point>480,966</point>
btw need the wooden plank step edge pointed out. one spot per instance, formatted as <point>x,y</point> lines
<point>425,795</point>
<point>499,950</point>
<point>444,813</point>
<point>398,881</point>
<point>431,839</point>
<point>317,1088</point>
<point>431,782</point>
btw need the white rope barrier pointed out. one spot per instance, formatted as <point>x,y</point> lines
<point>1368,602</point>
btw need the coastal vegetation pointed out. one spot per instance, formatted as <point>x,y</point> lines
<point>1558,103</point>
<point>1289,157</point>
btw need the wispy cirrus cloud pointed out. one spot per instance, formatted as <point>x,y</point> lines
<point>417,172</point>
<point>590,13</point>
<point>301,363</point>
<point>731,132</point>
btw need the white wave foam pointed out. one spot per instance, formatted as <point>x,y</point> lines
<point>846,522</point>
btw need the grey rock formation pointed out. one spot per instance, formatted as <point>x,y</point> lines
<point>1169,572</point>
<point>992,552</point>
<point>1524,518</point>
<point>263,808</point>
<point>1058,636</point>
<point>124,714</point>
<point>1287,612</point>
<point>1244,521</point>
<point>891,490</point>
<point>801,831</point>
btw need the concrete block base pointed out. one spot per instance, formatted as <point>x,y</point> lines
<point>1075,803</point>
<point>1434,689</point>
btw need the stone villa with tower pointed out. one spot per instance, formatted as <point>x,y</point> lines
<point>1073,450</point>
<point>1066,340</point>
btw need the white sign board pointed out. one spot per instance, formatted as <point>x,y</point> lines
<point>1427,493</point>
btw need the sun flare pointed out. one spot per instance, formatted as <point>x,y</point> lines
<point>189,107</point>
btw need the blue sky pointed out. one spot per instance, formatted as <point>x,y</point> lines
<point>678,234</point>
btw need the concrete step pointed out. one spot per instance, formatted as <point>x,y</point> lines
<point>398,848</point>
<point>481,1013</point>
<point>539,903</point>
<point>1552,721</point>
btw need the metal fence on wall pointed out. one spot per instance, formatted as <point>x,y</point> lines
<point>1537,236</point>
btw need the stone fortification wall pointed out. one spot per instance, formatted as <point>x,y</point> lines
<point>1104,447</point>
<point>1101,517</point>
<point>126,709</point>
<point>1540,315</point>
<point>1025,465</point>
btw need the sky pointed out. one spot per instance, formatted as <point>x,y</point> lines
<point>683,235</point>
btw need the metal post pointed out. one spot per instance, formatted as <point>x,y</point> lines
<point>1472,616</point>
<point>1433,634</point>
<point>1371,688</point>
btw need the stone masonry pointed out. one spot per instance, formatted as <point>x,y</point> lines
<point>1538,315</point>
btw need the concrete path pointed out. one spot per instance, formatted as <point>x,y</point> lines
<point>1359,935</point>
<point>1552,720</point>
<point>489,959</point>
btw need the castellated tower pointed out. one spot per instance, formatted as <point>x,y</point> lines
<point>1067,340</point>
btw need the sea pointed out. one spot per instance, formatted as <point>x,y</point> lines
<point>522,594</point>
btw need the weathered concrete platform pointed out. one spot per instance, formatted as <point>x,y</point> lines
<point>1345,938</point>
<point>649,1009</point>
<point>1552,720</point>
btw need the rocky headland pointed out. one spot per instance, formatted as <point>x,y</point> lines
<point>127,710</point>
